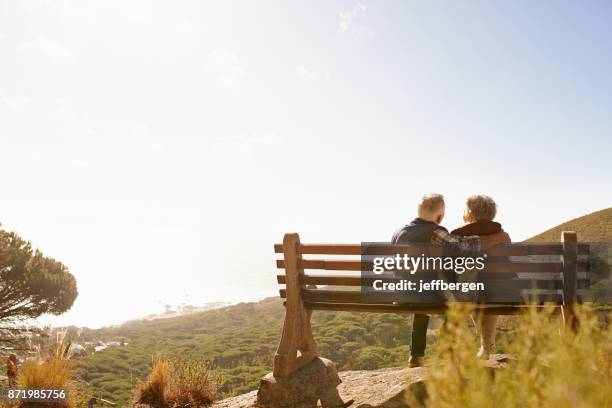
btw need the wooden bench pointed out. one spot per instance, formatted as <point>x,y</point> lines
<point>557,274</point>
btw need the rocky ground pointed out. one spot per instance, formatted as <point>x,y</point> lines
<point>375,388</point>
<point>384,388</point>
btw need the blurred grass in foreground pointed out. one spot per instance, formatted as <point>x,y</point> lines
<point>554,366</point>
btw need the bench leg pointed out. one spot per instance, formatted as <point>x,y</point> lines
<point>297,346</point>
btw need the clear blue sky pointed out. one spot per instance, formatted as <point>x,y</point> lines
<point>160,148</point>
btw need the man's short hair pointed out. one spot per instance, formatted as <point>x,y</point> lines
<point>481,207</point>
<point>430,203</point>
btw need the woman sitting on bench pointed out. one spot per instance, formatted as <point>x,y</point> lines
<point>480,210</point>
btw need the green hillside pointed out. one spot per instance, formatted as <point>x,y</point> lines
<point>240,342</point>
<point>594,227</point>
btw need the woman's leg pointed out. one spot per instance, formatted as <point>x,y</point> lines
<point>487,328</point>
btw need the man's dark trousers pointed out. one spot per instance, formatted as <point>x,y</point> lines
<point>419,335</point>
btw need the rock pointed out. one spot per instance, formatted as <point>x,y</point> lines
<point>248,400</point>
<point>384,388</point>
<point>316,381</point>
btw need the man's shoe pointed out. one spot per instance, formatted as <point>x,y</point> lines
<point>416,361</point>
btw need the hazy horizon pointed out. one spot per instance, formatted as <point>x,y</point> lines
<point>160,149</point>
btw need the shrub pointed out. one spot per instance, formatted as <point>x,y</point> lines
<point>51,370</point>
<point>371,358</point>
<point>185,383</point>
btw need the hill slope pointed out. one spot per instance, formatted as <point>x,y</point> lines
<point>594,227</point>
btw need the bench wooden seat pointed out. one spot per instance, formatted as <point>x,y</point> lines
<point>548,273</point>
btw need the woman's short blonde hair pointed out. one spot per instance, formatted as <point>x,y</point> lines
<point>481,207</point>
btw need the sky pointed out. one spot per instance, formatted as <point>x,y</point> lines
<point>159,149</point>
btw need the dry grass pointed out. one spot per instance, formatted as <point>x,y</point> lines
<point>49,371</point>
<point>153,390</point>
<point>181,384</point>
<point>554,366</point>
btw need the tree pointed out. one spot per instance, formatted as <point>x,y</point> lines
<point>30,283</point>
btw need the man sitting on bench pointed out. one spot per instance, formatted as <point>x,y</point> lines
<point>426,229</point>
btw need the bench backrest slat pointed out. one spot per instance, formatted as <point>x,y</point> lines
<point>358,265</point>
<point>554,283</point>
<point>498,250</point>
<point>345,296</point>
